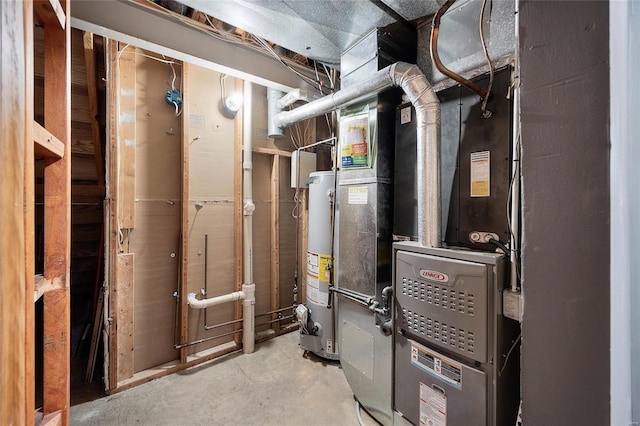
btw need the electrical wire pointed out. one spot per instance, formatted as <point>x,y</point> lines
<point>500,245</point>
<point>358,414</point>
<point>269,49</point>
<point>486,113</point>
<point>506,360</point>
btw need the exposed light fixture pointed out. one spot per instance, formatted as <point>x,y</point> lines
<point>229,105</point>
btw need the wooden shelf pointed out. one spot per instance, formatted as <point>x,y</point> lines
<point>46,145</point>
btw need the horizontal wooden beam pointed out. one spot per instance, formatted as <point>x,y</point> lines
<point>50,11</point>
<point>46,145</point>
<point>270,151</point>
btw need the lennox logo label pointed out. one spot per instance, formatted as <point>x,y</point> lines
<point>434,275</point>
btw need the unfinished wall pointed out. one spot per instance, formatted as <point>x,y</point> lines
<point>211,138</point>
<point>154,239</point>
<point>176,208</point>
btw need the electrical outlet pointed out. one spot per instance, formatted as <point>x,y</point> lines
<point>482,236</point>
<point>512,304</point>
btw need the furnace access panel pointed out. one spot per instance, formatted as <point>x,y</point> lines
<point>450,334</point>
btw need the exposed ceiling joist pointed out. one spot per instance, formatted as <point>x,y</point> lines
<point>132,23</point>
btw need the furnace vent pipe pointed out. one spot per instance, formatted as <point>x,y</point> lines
<point>427,106</point>
<point>296,95</point>
<point>277,101</point>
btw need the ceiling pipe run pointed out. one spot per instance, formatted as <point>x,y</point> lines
<point>427,106</point>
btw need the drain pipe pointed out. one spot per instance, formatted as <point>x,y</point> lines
<point>427,106</point>
<point>248,286</point>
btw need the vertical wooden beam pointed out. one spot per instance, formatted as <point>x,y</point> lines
<point>127,137</point>
<point>184,261</point>
<point>275,240</point>
<point>92,92</point>
<point>237,214</point>
<point>13,86</point>
<point>124,277</point>
<point>29,218</point>
<point>57,220</point>
<point>111,355</point>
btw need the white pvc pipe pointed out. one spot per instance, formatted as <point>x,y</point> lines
<point>248,286</point>
<point>205,303</point>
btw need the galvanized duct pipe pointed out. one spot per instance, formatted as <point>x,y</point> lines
<point>273,99</point>
<point>427,106</point>
<point>296,95</point>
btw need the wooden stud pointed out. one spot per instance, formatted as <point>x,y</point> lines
<point>275,240</point>
<point>237,201</point>
<point>270,151</point>
<point>29,217</point>
<point>125,302</point>
<point>13,86</point>
<point>50,12</point>
<point>127,137</point>
<point>46,144</point>
<point>111,355</point>
<point>92,91</point>
<point>184,261</point>
<point>57,222</point>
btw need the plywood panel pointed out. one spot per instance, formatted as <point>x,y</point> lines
<point>262,233</point>
<point>83,167</point>
<point>287,236</point>
<point>125,303</point>
<point>211,206</point>
<point>158,133</point>
<point>155,242</point>
<point>216,221</point>
<point>211,137</point>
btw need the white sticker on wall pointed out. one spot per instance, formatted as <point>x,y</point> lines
<point>358,195</point>
<point>480,174</point>
<point>312,294</point>
<point>433,407</point>
<point>405,115</point>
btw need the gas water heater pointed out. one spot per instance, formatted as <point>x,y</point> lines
<point>316,318</point>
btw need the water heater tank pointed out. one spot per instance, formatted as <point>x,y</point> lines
<point>317,331</point>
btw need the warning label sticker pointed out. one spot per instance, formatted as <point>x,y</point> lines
<point>480,174</point>
<point>436,365</point>
<point>358,195</point>
<point>433,406</point>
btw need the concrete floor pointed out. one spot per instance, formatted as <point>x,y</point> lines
<point>276,385</point>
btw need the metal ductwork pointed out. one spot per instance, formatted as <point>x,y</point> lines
<point>427,106</point>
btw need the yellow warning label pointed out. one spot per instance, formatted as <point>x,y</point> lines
<point>480,174</point>
<point>324,268</point>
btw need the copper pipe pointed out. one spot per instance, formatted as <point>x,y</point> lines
<point>435,28</point>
